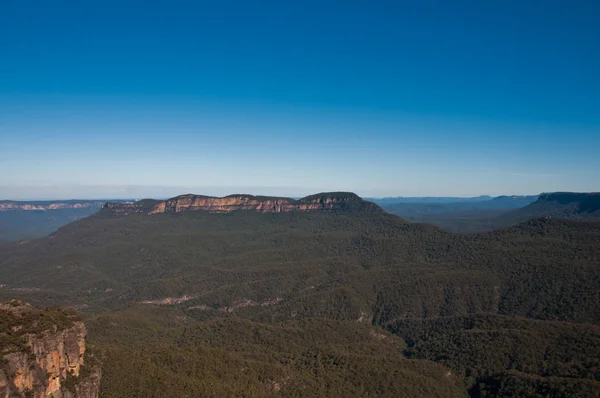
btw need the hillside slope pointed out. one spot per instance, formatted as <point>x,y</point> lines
<point>461,216</point>
<point>310,263</point>
<point>570,205</point>
<point>501,212</point>
<point>149,277</point>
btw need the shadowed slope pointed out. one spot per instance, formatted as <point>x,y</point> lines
<point>581,206</point>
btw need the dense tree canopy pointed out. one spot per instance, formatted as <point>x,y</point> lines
<point>296,304</point>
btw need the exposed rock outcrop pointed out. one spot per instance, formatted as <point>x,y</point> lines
<point>43,354</point>
<point>336,201</point>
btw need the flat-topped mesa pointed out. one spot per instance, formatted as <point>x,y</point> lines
<point>330,201</point>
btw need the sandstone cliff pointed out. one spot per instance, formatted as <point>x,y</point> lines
<point>43,354</point>
<point>336,201</point>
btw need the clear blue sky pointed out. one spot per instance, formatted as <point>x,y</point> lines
<point>413,98</point>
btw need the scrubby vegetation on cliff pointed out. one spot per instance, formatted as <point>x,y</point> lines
<point>42,352</point>
<point>18,320</point>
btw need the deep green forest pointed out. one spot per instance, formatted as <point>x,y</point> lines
<point>338,303</point>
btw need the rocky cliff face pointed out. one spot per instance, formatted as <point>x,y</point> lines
<point>43,354</point>
<point>325,201</point>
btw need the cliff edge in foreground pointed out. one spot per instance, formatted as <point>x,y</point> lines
<point>42,354</point>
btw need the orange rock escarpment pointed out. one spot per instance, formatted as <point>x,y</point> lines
<point>40,368</point>
<point>326,201</point>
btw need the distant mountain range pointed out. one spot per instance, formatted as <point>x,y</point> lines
<point>428,199</point>
<point>33,219</point>
<point>30,219</point>
<point>569,205</point>
<point>199,296</point>
<point>502,211</point>
<point>42,205</point>
<point>406,208</point>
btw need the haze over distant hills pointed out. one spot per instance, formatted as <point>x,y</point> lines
<point>31,219</point>
<point>441,205</point>
<point>503,211</point>
<point>427,199</point>
<point>215,285</point>
<point>585,206</point>
<point>40,205</point>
